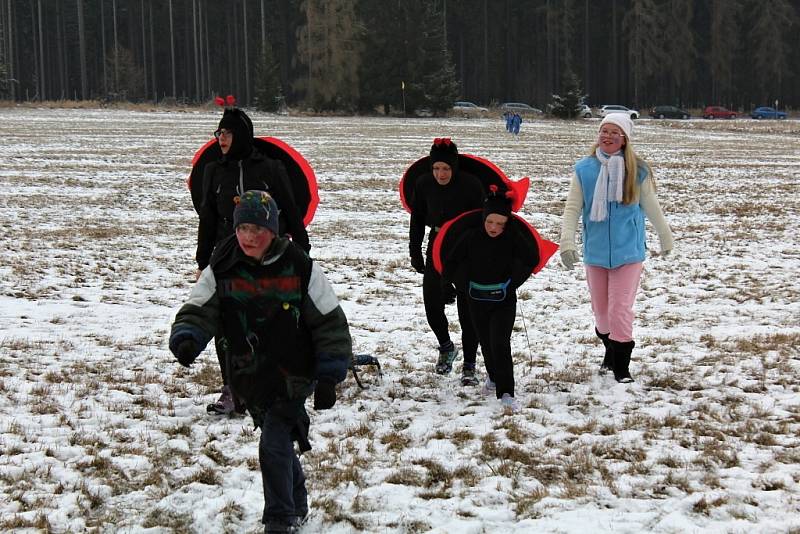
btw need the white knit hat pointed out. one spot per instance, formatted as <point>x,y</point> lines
<point>620,119</point>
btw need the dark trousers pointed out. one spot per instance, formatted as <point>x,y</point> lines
<point>493,322</point>
<point>285,492</point>
<point>433,295</point>
<point>219,344</point>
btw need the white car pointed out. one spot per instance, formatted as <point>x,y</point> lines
<point>468,108</point>
<point>605,110</point>
<point>584,111</point>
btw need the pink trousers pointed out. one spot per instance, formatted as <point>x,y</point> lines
<point>613,292</point>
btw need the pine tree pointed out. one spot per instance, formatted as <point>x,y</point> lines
<point>566,106</point>
<point>432,74</point>
<point>268,82</point>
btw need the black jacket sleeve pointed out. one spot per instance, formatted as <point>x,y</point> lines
<point>207,227</point>
<point>416,230</point>
<point>284,196</point>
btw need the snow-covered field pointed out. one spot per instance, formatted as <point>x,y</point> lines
<point>100,430</point>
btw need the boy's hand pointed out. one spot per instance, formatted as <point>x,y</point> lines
<point>324,394</point>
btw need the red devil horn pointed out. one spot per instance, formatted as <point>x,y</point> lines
<point>230,100</point>
<point>219,101</point>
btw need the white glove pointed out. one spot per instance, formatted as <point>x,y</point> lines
<point>569,258</point>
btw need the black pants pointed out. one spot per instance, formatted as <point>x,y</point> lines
<point>282,475</point>
<point>493,322</point>
<point>434,311</point>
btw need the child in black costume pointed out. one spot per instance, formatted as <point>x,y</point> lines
<point>488,264</point>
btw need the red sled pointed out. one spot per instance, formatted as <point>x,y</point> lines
<point>301,176</point>
<point>486,171</point>
<point>454,229</point>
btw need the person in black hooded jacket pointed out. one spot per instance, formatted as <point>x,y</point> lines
<point>441,195</point>
<point>242,168</point>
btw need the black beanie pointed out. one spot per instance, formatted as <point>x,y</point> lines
<point>443,149</point>
<point>237,121</point>
<point>497,202</point>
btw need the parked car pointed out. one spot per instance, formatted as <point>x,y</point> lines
<point>584,111</point>
<point>669,112</point>
<point>605,110</point>
<point>519,107</point>
<point>718,112</point>
<point>767,113</point>
<point>468,109</point>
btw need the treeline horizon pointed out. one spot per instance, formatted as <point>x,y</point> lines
<point>402,55</point>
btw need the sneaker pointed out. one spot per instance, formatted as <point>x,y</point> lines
<point>225,405</point>
<point>509,403</point>
<point>468,377</point>
<point>488,387</point>
<point>445,363</point>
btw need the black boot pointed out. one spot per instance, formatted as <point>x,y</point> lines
<point>608,361</point>
<point>621,351</point>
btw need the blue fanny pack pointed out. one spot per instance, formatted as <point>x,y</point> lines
<point>489,292</point>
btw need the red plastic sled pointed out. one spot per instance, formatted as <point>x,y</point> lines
<point>486,171</point>
<point>453,229</point>
<point>301,176</point>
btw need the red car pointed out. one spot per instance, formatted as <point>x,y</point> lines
<point>718,112</point>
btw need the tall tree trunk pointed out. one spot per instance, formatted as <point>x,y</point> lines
<point>152,54</point>
<point>196,52</point>
<point>116,46</point>
<point>485,49</point>
<point>207,53</point>
<point>172,50</point>
<point>62,54</point>
<point>263,30</point>
<point>11,49</point>
<point>42,77</point>
<point>144,49</point>
<point>82,50</point>
<point>246,54</point>
<point>105,52</point>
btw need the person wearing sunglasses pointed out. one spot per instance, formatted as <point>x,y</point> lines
<point>613,190</point>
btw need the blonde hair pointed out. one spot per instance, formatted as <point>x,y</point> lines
<point>630,191</point>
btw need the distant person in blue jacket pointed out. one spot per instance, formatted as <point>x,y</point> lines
<point>509,117</point>
<point>613,190</point>
<point>516,122</point>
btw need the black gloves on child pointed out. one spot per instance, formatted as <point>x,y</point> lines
<point>418,262</point>
<point>186,352</point>
<point>324,394</point>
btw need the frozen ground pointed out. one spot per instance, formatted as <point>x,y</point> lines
<point>101,431</point>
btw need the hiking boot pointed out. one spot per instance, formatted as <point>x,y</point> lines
<point>509,403</point>
<point>468,377</point>
<point>445,363</point>
<point>226,404</point>
<point>488,387</point>
<point>283,525</point>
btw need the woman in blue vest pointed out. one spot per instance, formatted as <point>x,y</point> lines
<point>613,190</point>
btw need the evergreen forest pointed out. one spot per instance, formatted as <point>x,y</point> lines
<point>400,56</point>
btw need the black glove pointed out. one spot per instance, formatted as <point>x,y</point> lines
<point>324,394</point>
<point>448,293</point>
<point>186,352</point>
<point>418,262</point>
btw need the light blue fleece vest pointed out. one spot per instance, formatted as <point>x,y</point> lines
<point>618,240</point>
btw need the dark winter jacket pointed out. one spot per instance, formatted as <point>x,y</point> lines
<point>280,317</point>
<point>485,260</point>
<point>433,205</point>
<point>221,183</point>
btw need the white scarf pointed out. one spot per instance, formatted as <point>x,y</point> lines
<point>606,190</point>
